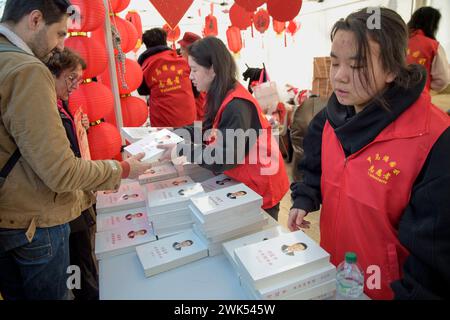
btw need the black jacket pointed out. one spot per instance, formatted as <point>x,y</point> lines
<point>425,224</point>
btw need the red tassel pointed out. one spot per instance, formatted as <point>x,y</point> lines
<point>252,30</point>
<point>285,40</point>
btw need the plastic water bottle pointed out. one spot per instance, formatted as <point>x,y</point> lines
<point>349,277</point>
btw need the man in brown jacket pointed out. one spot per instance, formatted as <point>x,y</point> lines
<point>44,189</point>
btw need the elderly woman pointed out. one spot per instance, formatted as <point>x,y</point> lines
<point>67,68</point>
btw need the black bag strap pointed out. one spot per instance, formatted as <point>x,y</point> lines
<point>16,155</point>
<point>9,166</point>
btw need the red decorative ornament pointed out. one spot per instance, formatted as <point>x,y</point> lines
<point>261,20</point>
<point>92,52</point>
<point>172,34</point>
<point>210,26</point>
<point>93,98</point>
<point>135,19</point>
<point>134,111</point>
<point>250,5</point>
<point>132,77</point>
<point>172,10</point>
<point>128,34</point>
<point>104,141</point>
<point>118,5</point>
<point>240,17</point>
<point>278,26</point>
<point>234,39</point>
<point>293,27</point>
<point>284,10</point>
<point>89,15</point>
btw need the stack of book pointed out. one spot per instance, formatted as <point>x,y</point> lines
<point>197,173</point>
<point>289,266</point>
<point>218,182</point>
<point>227,213</point>
<point>169,183</point>
<point>149,144</point>
<point>171,252</point>
<point>168,208</point>
<point>122,240</point>
<point>129,195</point>
<point>134,134</point>
<point>122,219</point>
<point>158,172</point>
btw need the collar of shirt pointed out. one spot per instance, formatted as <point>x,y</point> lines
<point>14,39</point>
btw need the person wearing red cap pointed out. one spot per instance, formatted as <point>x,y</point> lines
<point>166,80</point>
<point>200,97</point>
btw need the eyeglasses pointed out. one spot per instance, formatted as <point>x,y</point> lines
<point>74,80</point>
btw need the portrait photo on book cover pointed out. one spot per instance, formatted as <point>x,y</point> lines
<point>164,138</point>
<point>293,248</point>
<point>129,196</point>
<point>134,215</point>
<point>132,234</point>
<point>179,245</point>
<point>178,182</point>
<point>110,191</point>
<point>223,181</point>
<point>237,194</point>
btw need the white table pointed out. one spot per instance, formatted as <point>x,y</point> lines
<point>122,277</point>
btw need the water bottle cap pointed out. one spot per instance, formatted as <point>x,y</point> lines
<point>350,257</point>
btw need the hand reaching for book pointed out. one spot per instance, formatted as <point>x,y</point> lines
<point>136,166</point>
<point>296,220</point>
<point>169,151</point>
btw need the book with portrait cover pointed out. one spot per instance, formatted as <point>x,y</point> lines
<point>269,262</point>
<point>158,173</point>
<point>171,199</point>
<point>169,183</point>
<point>218,182</point>
<point>237,199</point>
<point>149,144</point>
<point>134,134</point>
<point>122,240</point>
<point>121,219</point>
<point>128,196</point>
<point>171,252</point>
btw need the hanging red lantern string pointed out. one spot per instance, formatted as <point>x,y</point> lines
<point>250,5</point>
<point>240,17</point>
<point>90,15</point>
<point>92,52</point>
<point>132,78</point>
<point>234,39</point>
<point>284,10</point>
<point>278,26</point>
<point>293,27</point>
<point>261,20</point>
<point>172,34</point>
<point>134,111</point>
<point>104,141</point>
<point>210,28</point>
<point>128,34</point>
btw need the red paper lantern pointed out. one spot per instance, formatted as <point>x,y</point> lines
<point>133,76</point>
<point>240,17</point>
<point>210,26</point>
<point>250,5</point>
<point>284,10</point>
<point>90,15</point>
<point>278,26</point>
<point>135,19</point>
<point>92,52</point>
<point>93,98</point>
<point>118,5</point>
<point>172,34</point>
<point>134,111</point>
<point>261,20</point>
<point>104,141</point>
<point>234,39</point>
<point>293,27</point>
<point>128,34</point>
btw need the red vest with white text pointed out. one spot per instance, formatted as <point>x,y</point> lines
<point>267,175</point>
<point>365,195</point>
<point>422,50</point>
<point>171,100</point>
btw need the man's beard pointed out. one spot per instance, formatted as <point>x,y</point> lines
<point>39,46</point>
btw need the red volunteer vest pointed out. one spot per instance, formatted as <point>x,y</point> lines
<point>267,175</point>
<point>200,106</point>
<point>171,100</point>
<point>365,195</point>
<point>422,50</point>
